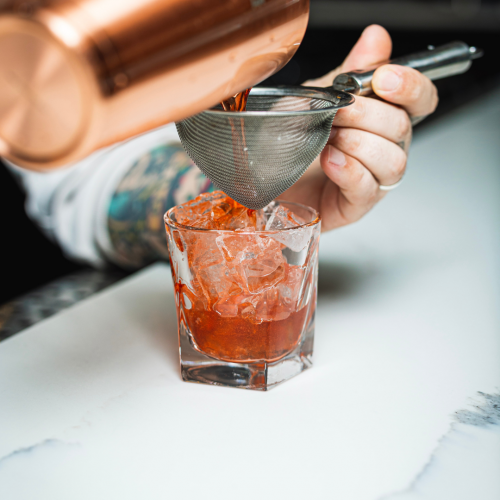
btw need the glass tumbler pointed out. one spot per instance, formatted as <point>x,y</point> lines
<point>245,300</point>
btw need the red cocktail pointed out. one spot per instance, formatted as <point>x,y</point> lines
<point>245,285</point>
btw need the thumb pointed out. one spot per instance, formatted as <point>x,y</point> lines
<point>373,46</point>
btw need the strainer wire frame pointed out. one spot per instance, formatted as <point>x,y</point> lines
<point>339,99</point>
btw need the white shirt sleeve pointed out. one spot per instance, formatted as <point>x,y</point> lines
<point>71,204</point>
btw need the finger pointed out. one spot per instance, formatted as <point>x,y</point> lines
<point>377,117</point>
<point>373,46</point>
<point>354,190</point>
<point>407,87</point>
<point>384,159</point>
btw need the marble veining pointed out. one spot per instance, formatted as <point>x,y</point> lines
<point>486,412</point>
<point>466,462</point>
<point>30,452</point>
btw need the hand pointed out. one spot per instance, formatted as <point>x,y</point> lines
<point>369,142</point>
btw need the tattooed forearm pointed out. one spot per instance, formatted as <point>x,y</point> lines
<point>157,181</point>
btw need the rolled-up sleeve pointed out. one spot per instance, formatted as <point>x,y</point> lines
<point>71,204</point>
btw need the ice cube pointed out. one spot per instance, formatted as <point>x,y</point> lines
<point>281,218</point>
<point>257,284</point>
<point>295,239</point>
<point>270,306</point>
<point>257,259</point>
<point>240,218</point>
<point>290,287</point>
<point>209,268</point>
<point>203,250</point>
<point>260,220</point>
<point>264,271</point>
<point>227,305</point>
<point>235,247</point>
<point>198,212</point>
<point>217,282</point>
<point>218,211</point>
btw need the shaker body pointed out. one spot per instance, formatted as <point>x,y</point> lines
<point>77,75</point>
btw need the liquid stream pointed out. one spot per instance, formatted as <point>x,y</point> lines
<point>243,174</point>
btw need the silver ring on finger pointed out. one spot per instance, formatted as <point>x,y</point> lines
<point>391,187</point>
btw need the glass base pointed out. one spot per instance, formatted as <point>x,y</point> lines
<point>260,375</point>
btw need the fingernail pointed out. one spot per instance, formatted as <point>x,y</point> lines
<point>336,156</point>
<point>389,81</point>
<point>333,132</point>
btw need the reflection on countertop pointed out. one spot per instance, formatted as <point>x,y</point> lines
<point>49,299</point>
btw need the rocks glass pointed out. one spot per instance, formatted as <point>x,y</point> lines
<point>245,290</point>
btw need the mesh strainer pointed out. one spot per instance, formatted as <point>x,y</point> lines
<point>256,155</point>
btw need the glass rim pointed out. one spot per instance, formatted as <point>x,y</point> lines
<point>317,219</point>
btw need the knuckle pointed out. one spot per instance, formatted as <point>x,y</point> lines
<point>350,139</point>
<point>377,150</point>
<point>399,165</point>
<point>357,112</point>
<point>404,127</point>
<point>415,85</point>
<point>355,140</point>
<point>357,178</point>
<point>362,189</point>
<point>372,196</point>
<point>434,99</point>
<point>416,90</point>
<point>425,95</point>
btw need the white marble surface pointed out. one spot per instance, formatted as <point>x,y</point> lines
<point>92,405</point>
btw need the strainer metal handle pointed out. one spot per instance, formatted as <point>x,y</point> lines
<point>436,62</point>
<point>256,155</point>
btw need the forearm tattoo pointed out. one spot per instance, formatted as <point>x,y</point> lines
<point>160,179</point>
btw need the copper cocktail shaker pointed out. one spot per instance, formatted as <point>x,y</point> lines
<point>77,75</point>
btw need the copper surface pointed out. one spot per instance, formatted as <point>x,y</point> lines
<point>42,97</point>
<point>79,75</point>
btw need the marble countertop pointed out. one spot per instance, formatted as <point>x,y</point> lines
<point>400,403</point>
